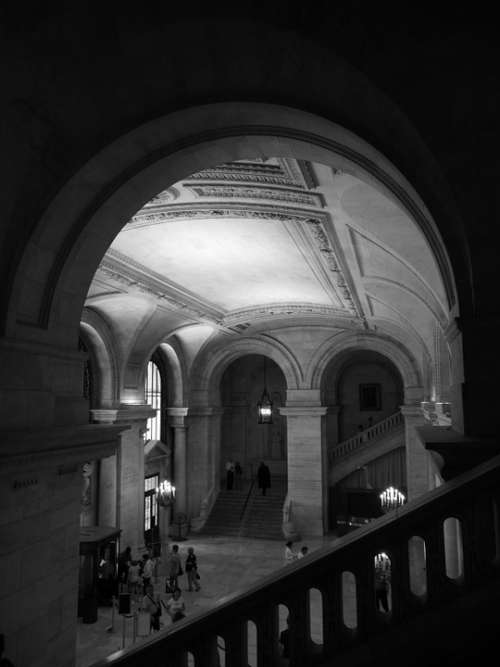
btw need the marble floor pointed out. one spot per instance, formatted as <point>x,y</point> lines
<point>225,565</point>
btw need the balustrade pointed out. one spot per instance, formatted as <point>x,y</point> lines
<point>361,439</point>
<point>461,515</point>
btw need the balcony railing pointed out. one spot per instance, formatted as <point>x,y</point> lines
<point>444,553</point>
<point>362,439</point>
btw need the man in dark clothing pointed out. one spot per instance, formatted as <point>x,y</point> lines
<point>263,477</point>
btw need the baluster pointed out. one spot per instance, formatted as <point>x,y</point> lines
<point>235,638</point>
<point>299,628</point>
<point>400,580</point>
<point>435,559</point>
<point>267,637</point>
<point>206,653</point>
<point>334,631</point>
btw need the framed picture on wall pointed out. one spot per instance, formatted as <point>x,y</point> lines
<point>370,397</point>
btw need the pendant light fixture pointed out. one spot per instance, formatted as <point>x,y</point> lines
<point>265,405</point>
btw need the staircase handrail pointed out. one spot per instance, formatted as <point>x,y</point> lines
<point>415,620</point>
<point>362,438</point>
<point>245,504</point>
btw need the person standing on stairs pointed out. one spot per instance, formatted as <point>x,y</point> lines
<point>263,477</point>
<point>238,473</point>
<point>229,474</point>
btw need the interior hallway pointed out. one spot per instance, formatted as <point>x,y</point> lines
<point>226,565</point>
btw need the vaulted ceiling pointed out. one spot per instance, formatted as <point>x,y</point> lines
<point>246,245</point>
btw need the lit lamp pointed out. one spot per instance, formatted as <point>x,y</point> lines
<point>391,499</point>
<point>265,405</point>
<point>165,493</point>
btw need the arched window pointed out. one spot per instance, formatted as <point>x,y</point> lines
<point>153,397</point>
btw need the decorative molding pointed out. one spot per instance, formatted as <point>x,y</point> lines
<point>232,319</point>
<point>124,269</point>
<point>250,172</point>
<point>294,197</point>
<point>165,197</point>
<point>203,211</point>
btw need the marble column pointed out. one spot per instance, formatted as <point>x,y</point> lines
<point>203,456</point>
<point>176,419</point>
<point>418,465</point>
<point>307,468</point>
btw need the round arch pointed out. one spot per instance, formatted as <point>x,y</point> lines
<point>96,334</point>
<point>213,361</point>
<point>95,204</point>
<point>333,353</point>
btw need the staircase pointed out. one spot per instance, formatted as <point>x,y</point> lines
<point>225,517</point>
<point>372,443</point>
<point>264,514</point>
<point>247,513</point>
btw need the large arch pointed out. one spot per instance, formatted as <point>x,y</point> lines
<point>333,353</point>
<point>89,211</point>
<point>213,361</point>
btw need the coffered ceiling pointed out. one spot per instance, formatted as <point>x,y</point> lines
<point>256,242</point>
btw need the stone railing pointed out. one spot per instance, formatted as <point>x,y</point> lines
<point>443,597</point>
<point>362,438</point>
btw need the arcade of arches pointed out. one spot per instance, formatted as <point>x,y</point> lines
<point>239,246</point>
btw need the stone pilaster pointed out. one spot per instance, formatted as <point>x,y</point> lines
<point>418,465</point>
<point>307,467</point>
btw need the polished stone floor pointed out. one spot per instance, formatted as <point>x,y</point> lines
<point>225,565</point>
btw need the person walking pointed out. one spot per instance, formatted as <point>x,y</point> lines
<point>124,560</point>
<point>263,477</point>
<point>147,571</point>
<point>134,578</point>
<point>191,567</point>
<point>238,474</point>
<point>174,569</point>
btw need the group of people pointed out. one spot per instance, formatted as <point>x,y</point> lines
<point>234,475</point>
<point>136,577</point>
<point>291,555</point>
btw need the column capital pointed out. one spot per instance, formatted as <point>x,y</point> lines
<point>303,411</point>
<point>177,417</point>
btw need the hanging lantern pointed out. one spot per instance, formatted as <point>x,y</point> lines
<point>265,405</point>
<point>165,493</point>
<point>265,409</point>
<point>391,499</point>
